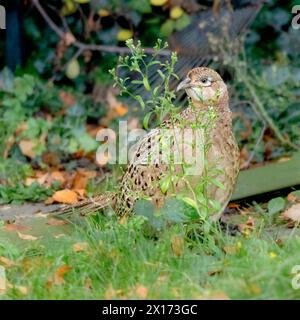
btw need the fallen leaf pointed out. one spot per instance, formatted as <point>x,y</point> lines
<point>293,213</point>
<point>2,280</point>
<point>51,158</point>
<point>294,196</point>
<point>81,193</point>
<point>60,274</point>
<point>80,246</point>
<point>141,291</point>
<point>28,237</point>
<point>57,236</point>
<point>16,227</point>
<point>65,196</point>
<point>177,244</point>
<point>27,148</point>
<point>80,180</point>
<point>56,222</point>
<point>50,200</point>
<point>6,262</point>
<point>121,110</point>
<point>58,176</point>
<point>23,290</point>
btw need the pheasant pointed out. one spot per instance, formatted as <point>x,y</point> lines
<point>142,179</point>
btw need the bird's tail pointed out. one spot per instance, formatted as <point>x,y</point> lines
<point>88,206</point>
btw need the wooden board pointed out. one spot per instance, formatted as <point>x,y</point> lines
<point>268,178</point>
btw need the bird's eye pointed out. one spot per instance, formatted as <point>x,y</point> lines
<point>206,82</point>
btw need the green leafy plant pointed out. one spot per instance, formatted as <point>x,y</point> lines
<point>160,102</point>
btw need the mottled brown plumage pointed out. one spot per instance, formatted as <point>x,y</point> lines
<point>143,179</point>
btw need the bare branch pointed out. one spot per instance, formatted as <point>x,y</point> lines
<point>84,46</point>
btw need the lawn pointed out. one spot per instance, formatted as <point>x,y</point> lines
<point>100,258</point>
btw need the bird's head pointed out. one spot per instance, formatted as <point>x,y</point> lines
<point>204,86</point>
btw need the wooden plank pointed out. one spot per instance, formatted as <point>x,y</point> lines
<point>268,178</point>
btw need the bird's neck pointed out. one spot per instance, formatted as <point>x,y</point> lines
<point>220,108</point>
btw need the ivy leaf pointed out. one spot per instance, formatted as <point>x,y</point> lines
<point>167,28</point>
<point>276,205</point>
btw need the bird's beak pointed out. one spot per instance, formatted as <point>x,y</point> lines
<point>184,84</point>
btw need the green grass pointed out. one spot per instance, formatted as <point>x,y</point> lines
<point>122,261</point>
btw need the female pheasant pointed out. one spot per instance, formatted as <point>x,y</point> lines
<point>143,178</point>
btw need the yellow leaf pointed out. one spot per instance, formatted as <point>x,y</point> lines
<point>65,196</point>
<point>6,262</point>
<point>73,69</point>
<point>124,34</point>
<point>80,246</point>
<point>23,290</point>
<point>176,12</point>
<point>28,237</point>
<point>158,3</point>
<point>103,13</point>
<point>82,1</point>
<point>27,148</point>
<point>272,255</point>
<point>69,8</point>
<point>177,244</point>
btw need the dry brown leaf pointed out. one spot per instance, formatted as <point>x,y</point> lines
<point>293,213</point>
<point>121,109</point>
<point>58,176</point>
<point>28,237</point>
<point>80,246</point>
<point>50,200</point>
<point>81,193</point>
<point>65,196</point>
<point>3,282</point>
<point>16,227</point>
<point>7,263</point>
<point>51,158</point>
<point>177,244</point>
<point>27,148</point>
<point>141,291</point>
<point>80,180</point>
<point>293,198</point>
<point>60,274</point>
<point>56,222</point>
